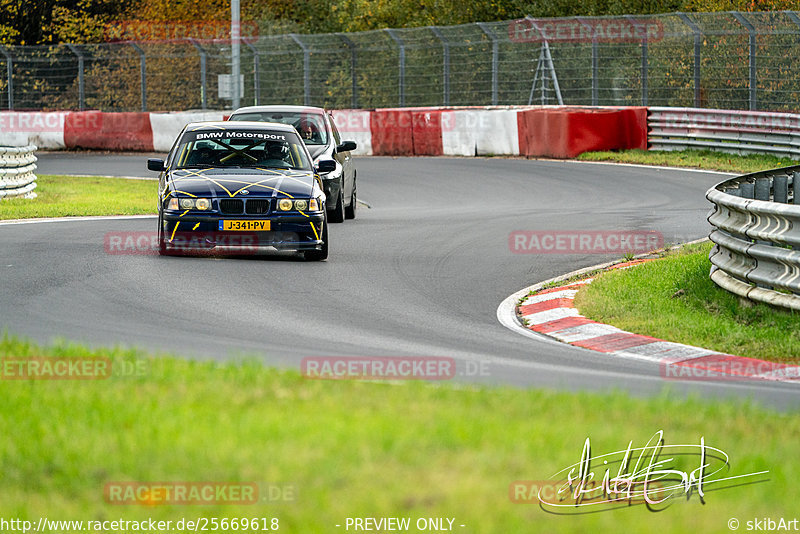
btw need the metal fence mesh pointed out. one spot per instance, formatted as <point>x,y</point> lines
<point>717,60</point>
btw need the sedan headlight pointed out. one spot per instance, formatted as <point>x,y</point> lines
<point>202,204</point>
<point>301,204</point>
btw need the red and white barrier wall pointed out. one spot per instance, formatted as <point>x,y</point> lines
<point>560,132</point>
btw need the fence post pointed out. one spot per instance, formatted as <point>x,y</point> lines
<point>81,93</point>
<point>353,69</point>
<point>446,59</point>
<point>401,46</point>
<point>256,80</point>
<point>10,73</point>
<point>644,56</point>
<point>143,74</point>
<point>203,60</point>
<point>495,59</point>
<point>595,61</point>
<point>306,69</point>
<point>698,36</point>
<point>752,61</point>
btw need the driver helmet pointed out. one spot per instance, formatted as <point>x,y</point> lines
<point>277,150</point>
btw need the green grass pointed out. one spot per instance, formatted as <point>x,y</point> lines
<point>697,159</point>
<point>645,300</point>
<point>69,196</point>
<point>359,448</point>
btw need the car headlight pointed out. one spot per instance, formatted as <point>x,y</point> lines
<point>302,204</point>
<point>201,204</point>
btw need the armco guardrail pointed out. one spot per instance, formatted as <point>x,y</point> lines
<point>16,172</point>
<point>737,132</point>
<point>756,221</point>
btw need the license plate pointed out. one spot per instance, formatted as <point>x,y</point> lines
<point>244,226</point>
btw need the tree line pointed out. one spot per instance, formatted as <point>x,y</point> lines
<point>88,21</point>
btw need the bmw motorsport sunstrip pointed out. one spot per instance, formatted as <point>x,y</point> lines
<point>221,179</point>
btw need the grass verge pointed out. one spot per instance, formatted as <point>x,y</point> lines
<point>72,196</point>
<point>358,449</point>
<point>674,299</point>
<point>696,159</point>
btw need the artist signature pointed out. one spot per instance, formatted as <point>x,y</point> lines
<point>642,476</point>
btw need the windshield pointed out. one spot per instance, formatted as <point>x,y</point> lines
<point>311,126</point>
<point>241,148</point>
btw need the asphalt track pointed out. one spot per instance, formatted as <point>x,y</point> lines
<point>420,273</point>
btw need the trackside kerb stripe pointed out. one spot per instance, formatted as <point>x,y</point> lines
<point>614,342</point>
<point>546,305</point>
<point>562,324</point>
<point>552,312</point>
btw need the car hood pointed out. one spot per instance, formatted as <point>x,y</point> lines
<point>232,182</point>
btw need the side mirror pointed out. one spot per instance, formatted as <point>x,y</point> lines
<point>326,165</point>
<point>346,146</point>
<point>155,164</point>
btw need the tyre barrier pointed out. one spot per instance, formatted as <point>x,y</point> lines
<point>756,236</point>
<point>16,172</point>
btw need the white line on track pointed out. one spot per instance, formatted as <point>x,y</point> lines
<point>75,219</point>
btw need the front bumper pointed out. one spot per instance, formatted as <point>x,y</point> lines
<point>195,231</point>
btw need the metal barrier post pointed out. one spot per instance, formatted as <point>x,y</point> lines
<point>495,59</point>
<point>306,69</point>
<point>795,189</point>
<point>752,56</point>
<point>81,94</point>
<point>143,74</point>
<point>595,61</point>
<point>256,80</point>
<point>698,38</point>
<point>401,46</point>
<point>353,69</point>
<point>10,73</point>
<point>203,61</point>
<point>446,58</point>
<point>780,188</point>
